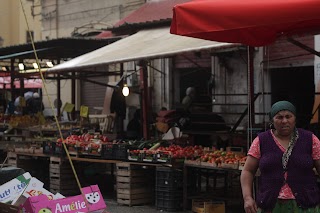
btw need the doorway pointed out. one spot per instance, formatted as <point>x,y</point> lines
<point>199,79</point>
<point>295,84</point>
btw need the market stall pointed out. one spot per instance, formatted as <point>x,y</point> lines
<point>140,170</point>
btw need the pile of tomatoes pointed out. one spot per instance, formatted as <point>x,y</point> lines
<point>218,157</point>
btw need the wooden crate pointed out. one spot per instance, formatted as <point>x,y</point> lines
<point>131,184</point>
<point>12,159</point>
<point>59,166</point>
<point>62,179</point>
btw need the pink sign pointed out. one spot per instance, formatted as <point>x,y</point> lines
<point>76,204</point>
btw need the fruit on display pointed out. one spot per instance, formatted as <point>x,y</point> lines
<point>85,143</point>
<point>220,158</point>
<point>166,154</point>
<point>21,121</point>
<point>155,151</point>
<point>243,160</point>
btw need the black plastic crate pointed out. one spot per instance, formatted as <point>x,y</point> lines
<point>115,151</point>
<point>169,178</point>
<point>108,151</point>
<point>48,147</point>
<point>59,150</point>
<point>53,148</point>
<point>120,151</point>
<point>169,200</point>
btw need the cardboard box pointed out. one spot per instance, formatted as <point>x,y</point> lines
<point>34,188</point>
<point>94,201</point>
<point>13,189</point>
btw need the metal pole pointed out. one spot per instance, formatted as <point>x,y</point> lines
<point>144,93</point>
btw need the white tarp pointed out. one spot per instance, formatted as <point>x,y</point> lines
<point>145,44</point>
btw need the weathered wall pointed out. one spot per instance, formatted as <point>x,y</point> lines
<point>60,18</point>
<point>13,23</point>
<point>231,88</point>
<point>285,54</point>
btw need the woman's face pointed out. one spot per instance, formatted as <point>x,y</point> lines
<point>284,122</point>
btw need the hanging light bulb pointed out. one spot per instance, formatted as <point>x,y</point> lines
<point>21,66</point>
<point>49,64</point>
<point>125,90</point>
<point>35,65</point>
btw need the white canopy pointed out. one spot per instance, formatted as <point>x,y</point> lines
<point>145,44</point>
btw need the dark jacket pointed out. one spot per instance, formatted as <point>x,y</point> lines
<point>301,177</point>
<point>34,105</point>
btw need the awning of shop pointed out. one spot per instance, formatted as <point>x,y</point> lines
<point>145,44</point>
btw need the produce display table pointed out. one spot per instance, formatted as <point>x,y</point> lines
<point>59,177</point>
<point>22,160</point>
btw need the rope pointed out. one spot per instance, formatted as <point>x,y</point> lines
<point>268,69</point>
<point>52,107</point>
<point>249,133</point>
<point>5,160</point>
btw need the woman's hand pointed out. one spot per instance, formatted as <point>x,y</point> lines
<point>250,205</point>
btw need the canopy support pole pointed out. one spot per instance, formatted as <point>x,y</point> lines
<point>144,93</point>
<point>305,47</point>
<point>73,94</point>
<point>251,73</point>
<point>58,97</point>
<point>13,95</point>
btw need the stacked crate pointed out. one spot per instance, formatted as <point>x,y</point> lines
<point>62,179</point>
<point>35,165</point>
<point>169,189</point>
<point>12,159</point>
<point>135,184</point>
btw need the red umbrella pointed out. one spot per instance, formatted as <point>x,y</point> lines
<point>250,22</point>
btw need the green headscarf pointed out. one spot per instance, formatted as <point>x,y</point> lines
<point>280,106</point>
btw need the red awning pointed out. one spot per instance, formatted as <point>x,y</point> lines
<point>250,22</point>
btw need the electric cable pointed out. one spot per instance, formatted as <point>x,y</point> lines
<point>51,105</point>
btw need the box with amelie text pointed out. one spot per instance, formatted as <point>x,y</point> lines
<point>91,200</point>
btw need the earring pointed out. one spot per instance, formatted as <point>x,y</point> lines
<point>271,126</point>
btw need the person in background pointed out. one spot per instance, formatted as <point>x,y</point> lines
<point>10,109</point>
<point>286,157</point>
<point>188,99</point>
<point>134,127</point>
<point>34,104</point>
<point>118,105</point>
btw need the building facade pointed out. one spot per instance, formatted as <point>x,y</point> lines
<point>17,18</point>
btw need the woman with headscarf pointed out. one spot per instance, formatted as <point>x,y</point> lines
<point>286,157</point>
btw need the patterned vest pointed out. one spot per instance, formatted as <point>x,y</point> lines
<point>301,177</point>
